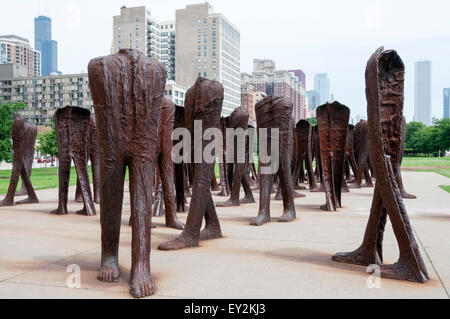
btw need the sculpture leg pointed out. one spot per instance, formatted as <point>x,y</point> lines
<point>28,167</point>
<point>95,167</point>
<point>16,172</point>
<point>287,189</point>
<point>399,179</point>
<point>142,171</point>
<point>166,174</point>
<point>248,198</point>
<point>311,175</point>
<point>265,185</point>
<point>78,193</point>
<point>83,176</point>
<point>235,186</point>
<point>179,188</point>
<point>111,199</point>
<point>32,197</point>
<point>212,228</point>
<point>65,162</point>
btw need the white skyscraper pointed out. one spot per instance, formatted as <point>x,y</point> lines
<point>322,86</point>
<point>422,93</point>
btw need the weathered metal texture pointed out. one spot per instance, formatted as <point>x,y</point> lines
<point>304,134</point>
<point>385,88</point>
<point>165,186</point>
<point>95,164</point>
<point>238,120</point>
<point>180,180</point>
<point>72,129</point>
<point>275,112</point>
<point>349,157</point>
<point>333,124</point>
<point>203,103</point>
<point>24,139</point>
<point>127,89</point>
<point>225,189</point>
<point>397,166</point>
<point>362,155</point>
<point>317,157</point>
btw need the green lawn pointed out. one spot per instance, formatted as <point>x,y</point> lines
<point>42,178</point>
<point>426,162</point>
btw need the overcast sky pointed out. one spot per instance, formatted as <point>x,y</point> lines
<point>318,36</point>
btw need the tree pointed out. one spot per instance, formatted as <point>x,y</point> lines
<point>312,121</point>
<point>48,142</point>
<point>8,112</point>
<point>411,129</point>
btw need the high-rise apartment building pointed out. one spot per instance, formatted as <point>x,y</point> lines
<point>43,42</point>
<point>313,100</point>
<point>447,103</point>
<point>267,79</point>
<point>322,85</point>
<point>301,76</point>
<point>422,92</point>
<point>208,45</point>
<point>17,50</point>
<point>135,28</point>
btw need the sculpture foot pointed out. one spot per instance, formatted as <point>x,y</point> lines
<point>403,270</point>
<point>247,200</point>
<point>405,195</point>
<point>28,201</point>
<point>318,190</point>
<point>261,220</point>
<point>326,208</point>
<point>287,217</point>
<point>175,223</point>
<point>178,244</point>
<point>60,211</point>
<point>84,212</point>
<point>110,272</point>
<point>22,192</point>
<point>142,285</point>
<point>6,203</point>
<point>210,233</point>
<point>361,257</point>
<point>228,203</point>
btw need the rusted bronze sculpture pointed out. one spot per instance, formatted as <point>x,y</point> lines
<point>203,103</point>
<point>396,166</point>
<point>362,155</point>
<point>165,165</point>
<point>238,120</point>
<point>275,112</point>
<point>225,189</point>
<point>127,89</point>
<point>333,123</point>
<point>72,130</point>
<point>385,87</point>
<point>349,157</point>
<point>304,139</point>
<point>95,165</point>
<point>317,158</point>
<point>180,180</point>
<point>24,138</point>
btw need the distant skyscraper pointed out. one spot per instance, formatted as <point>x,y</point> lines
<point>43,42</point>
<point>422,93</point>
<point>322,85</point>
<point>313,99</point>
<point>300,76</point>
<point>447,103</point>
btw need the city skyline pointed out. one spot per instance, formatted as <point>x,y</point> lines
<point>340,46</point>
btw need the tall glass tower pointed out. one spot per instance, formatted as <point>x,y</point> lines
<point>447,103</point>
<point>44,43</point>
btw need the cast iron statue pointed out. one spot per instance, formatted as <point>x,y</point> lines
<point>179,168</point>
<point>385,76</point>
<point>127,89</point>
<point>333,123</point>
<point>238,120</point>
<point>349,157</point>
<point>203,104</point>
<point>24,138</point>
<point>304,139</point>
<point>362,155</point>
<point>275,112</point>
<point>165,166</point>
<point>72,130</point>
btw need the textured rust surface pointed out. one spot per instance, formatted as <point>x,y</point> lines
<point>276,112</point>
<point>72,130</point>
<point>333,124</point>
<point>203,103</point>
<point>179,169</point>
<point>385,96</point>
<point>24,139</point>
<point>238,120</point>
<point>304,153</point>
<point>127,89</point>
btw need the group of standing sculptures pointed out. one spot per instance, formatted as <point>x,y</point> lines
<point>133,128</point>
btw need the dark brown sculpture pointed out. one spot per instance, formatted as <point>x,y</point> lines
<point>349,157</point>
<point>72,130</point>
<point>385,87</point>
<point>317,158</point>
<point>24,138</point>
<point>362,155</point>
<point>225,189</point>
<point>165,165</point>
<point>203,103</point>
<point>238,120</point>
<point>333,123</point>
<point>275,112</point>
<point>127,89</point>
<point>304,139</point>
<point>396,165</point>
<point>95,165</point>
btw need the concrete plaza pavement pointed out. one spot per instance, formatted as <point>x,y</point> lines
<point>273,261</point>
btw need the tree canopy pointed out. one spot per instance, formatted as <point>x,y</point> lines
<point>48,142</point>
<point>427,140</point>
<point>8,112</point>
